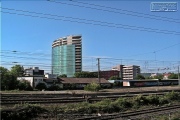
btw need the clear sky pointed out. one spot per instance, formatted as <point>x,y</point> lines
<point>123,32</point>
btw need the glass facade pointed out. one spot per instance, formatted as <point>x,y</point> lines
<point>63,60</point>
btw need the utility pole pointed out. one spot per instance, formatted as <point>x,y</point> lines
<point>178,75</point>
<point>99,71</point>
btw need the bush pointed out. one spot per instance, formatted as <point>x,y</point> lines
<point>163,100</point>
<point>123,103</point>
<point>92,87</point>
<point>153,99</point>
<point>24,85</point>
<point>140,100</point>
<point>24,112</point>
<point>173,95</point>
<point>41,86</point>
<point>54,87</point>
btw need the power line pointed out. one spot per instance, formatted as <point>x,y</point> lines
<point>92,22</point>
<point>84,57</point>
<point>130,13</point>
<point>167,47</point>
<point>120,59</point>
<point>155,50</point>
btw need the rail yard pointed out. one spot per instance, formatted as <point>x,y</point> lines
<point>50,98</point>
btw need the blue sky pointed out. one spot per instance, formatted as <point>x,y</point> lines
<point>112,37</point>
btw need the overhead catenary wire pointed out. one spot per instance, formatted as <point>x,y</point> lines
<point>43,54</point>
<point>155,51</point>
<point>38,54</point>
<point>112,10</point>
<point>86,21</point>
<point>138,62</point>
<point>103,67</point>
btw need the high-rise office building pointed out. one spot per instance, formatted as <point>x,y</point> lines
<point>67,55</point>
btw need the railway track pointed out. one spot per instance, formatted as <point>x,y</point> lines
<point>10,99</point>
<point>134,115</point>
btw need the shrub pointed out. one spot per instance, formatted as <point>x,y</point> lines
<point>140,100</point>
<point>25,112</point>
<point>173,95</point>
<point>54,87</point>
<point>92,87</point>
<point>163,100</point>
<point>153,99</point>
<point>24,85</point>
<point>41,86</point>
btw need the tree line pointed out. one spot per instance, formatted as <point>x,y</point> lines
<point>9,78</point>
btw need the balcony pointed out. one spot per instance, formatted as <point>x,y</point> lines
<point>78,53</point>
<point>78,61</point>
<point>78,50</point>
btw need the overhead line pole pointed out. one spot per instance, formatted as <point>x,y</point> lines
<point>178,75</point>
<point>99,71</point>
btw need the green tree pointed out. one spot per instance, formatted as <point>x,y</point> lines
<point>140,77</point>
<point>54,87</point>
<point>62,76</point>
<point>85,75</point>
<point>4,72</point>
<point>8,81</point>
<point>17,70</point>
<point>160,77</point>
<point>173,76</point>
<point>24,85</point>
<point>92,87</point>
<point>41,86</point>
<point>114,78</point>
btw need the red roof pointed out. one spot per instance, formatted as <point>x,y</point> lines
<point>83,80</point>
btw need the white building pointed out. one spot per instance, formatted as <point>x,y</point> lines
<point>130,72</point>
<point>127,72</point>
<point>33,76</point>
<point>33,80</point>
<point>47,75</point>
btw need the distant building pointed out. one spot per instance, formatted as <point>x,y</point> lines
<point>120,69</point>
<point>67,55</point>
<point>127,72</point>
<point>130,72</point>
<point>35,71</point>
<point>166,75</point>
<point>47,75</point>
<point>80,83</point>
<point>109,73</point>
<point>106,74</point>
<point>155,74</point>
<point>32,75</point>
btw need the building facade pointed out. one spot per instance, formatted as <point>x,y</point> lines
<point>67,55</point>
<point>33,75</point>
<point>106,74</point>
<point>109,73</point>
<point>120,69</point>
<point>127,72</point>
<point>130,72</point>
